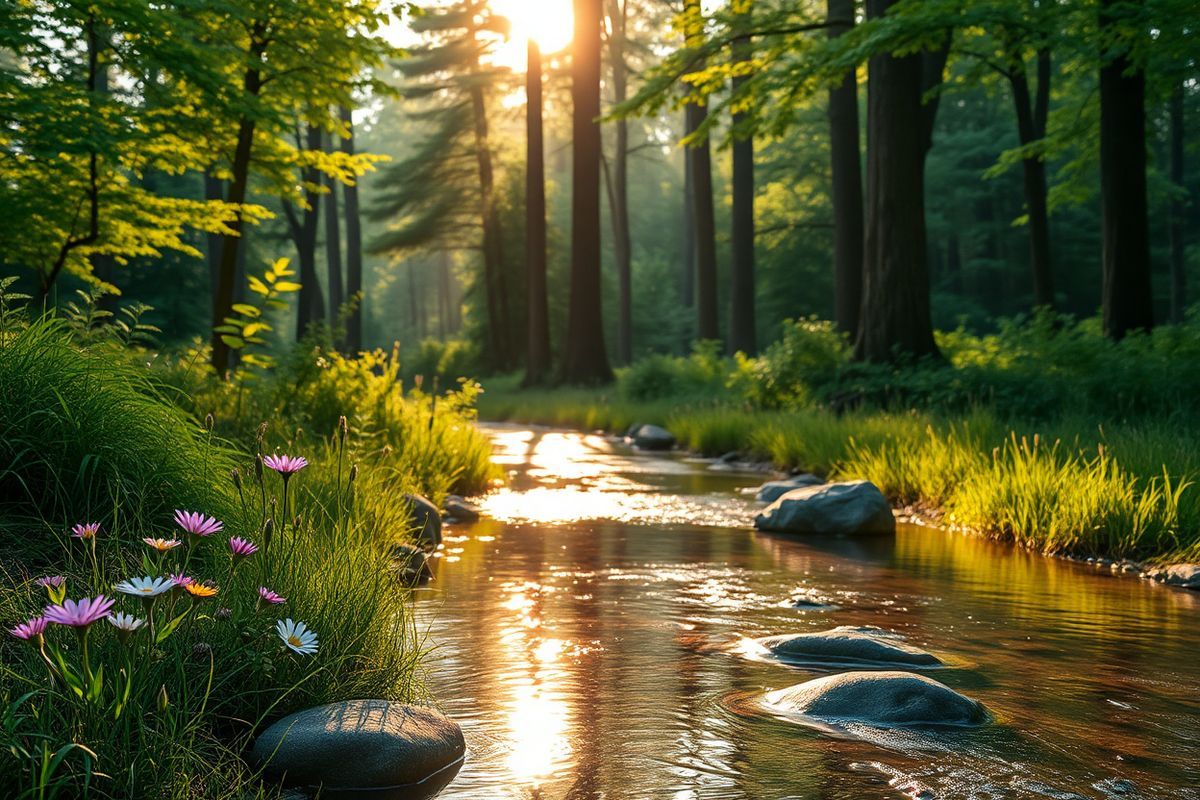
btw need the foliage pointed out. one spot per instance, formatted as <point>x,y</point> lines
<point>248,323</point>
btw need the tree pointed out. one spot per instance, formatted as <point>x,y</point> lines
<point>742,334</point>
<point>354,263</point>
<point>333,242</point>
<point>895,315</point>
<point>702,193</point>
<point>618,183</point>
<point>845,183</point>
<point>1125,296</point>
<point>537,362</point>
<point>1175,233</point>
<point>310,303</point>
<point>585,359</point>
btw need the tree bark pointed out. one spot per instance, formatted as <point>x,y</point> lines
<point>214,189</point>
<point>585,358</point>
<point>493,255</point>
<point>310,303</point>
<point>537,364</point>
<point>895,318</point>
<point>1126,295</point>
<point>1031,126</point>
<point>846,180</point>
<point>742,323</point>
<point>1178,204</point>
<point>707,326</point>
<point>354,265</point>
<point>687,274</point>
<point>619,194</point>
<point>333,244</point>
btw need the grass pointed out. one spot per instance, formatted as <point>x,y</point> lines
<point>90,432</point>
<point>1064,486</point>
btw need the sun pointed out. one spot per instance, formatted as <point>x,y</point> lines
<point>550,23</point>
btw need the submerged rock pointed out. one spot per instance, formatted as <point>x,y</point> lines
<point>848,646</point>
<point>879,698</point>
<point>1186,576</point>
<point>652,437</point>
<point>771,491</point>
<point>426,521</point>
<point>460,509</point>
<point>411,564</point>
<point>856,507</point>
<point>363,748</point>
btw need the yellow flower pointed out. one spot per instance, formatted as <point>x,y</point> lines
<point>201,591</point>
<point>162,545</point>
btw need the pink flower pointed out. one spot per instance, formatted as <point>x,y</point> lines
<point>181,580</point>
<point>30,630</point>
<point>286,466</point>
<point>86,530</point>
<point>51,581</point>
<point>80,614</point>
<point>242,547</point>
<point>267,596</point>
<point>197,524</point>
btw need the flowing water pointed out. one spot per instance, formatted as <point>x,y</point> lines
<point>586,634</point>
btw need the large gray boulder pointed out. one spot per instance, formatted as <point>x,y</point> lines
<point>410,564</point>
<point>1186,576</point>
<point>856,507</point>
<point>771,491</point>
<point>879,698</point>
<point>847,646</point>
<point>459,509</point>
<point>363,748</point>
<point>652,437</point>
<point>426,521</point>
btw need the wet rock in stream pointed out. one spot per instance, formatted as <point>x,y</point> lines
<point>847,646</point>
<point>426,521</point>
<point>878,698</point>
<point>771,491</point>
<point>855,507</point>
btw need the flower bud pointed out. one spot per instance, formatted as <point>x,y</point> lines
<point>164,702</point>
<point>235,475</point>
<point>296,523</point>
<point>418,380</point>
<point>343,428</point>
<point>209,422</point>
<point>258,468</point>
<point>353,473</point>
<point>268,529</point>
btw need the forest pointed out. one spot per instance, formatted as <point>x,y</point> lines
<point>284,282</point>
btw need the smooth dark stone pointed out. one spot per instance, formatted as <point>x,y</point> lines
<point>461,510</point>
<point>426,521</point>
<point>652,437</point>
<point>847,646</point>
<point>411,564</point>
<point>856,507</point>
<point>771,491</point>
<point>879,698</point>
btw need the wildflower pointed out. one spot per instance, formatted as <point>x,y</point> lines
<point>80,614</point>
<point>180,580</point>
<point>162,545</point>
<point>297,637</point>
<point>86,530</point>
<point>30,631</point>
<point>126,625</point>
<point>268,529</point>
<point>202,650</point>
<point>266,596</point>
<point>163,702</point>
<point>197,524</point>
<point>223,613</point>
<point>343,428</point>
<point>287,466</point>
<point>51,581</point>
<point>209,422</point>
<point>241,548</point>
<point>145,587</point>
<point>201,591</point>
<point>235,475</point>
<point>353,474</point>
<point>258,468</point>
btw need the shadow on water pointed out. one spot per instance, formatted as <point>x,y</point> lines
<point>583,637</point>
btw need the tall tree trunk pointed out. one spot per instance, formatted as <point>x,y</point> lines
<point>846,180</point>
<point>493,256</point>
<point>1178,203</point>
<point>414,313</point>
<point>585,359</point>
<point>1126,295</point>
<point>895,316</point>
<point>1031,126</point>
<point>537,364</point>
<point>742,324</point>
<point>707,326</point>
<point>214,189</point>
<point>619,189</point>
<point>310,303</point>
<point>354,264</point>
<point>444,321</point>
<point>687,265</point>
<point>333,243</point>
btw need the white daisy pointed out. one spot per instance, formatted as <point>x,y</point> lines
<point>127,623</point>
<point>145,587</point>
<point>297,637</point>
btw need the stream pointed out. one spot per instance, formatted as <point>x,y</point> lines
<point>587,635</point>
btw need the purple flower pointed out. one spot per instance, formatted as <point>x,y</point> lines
<point>80,614</point>
<point>267,596</point>
<point>30,630</point>
<point>181,580</point>
<point>51,581</point>
<point>86,530</point>
<point>197,524</point>
<point>286,466</point>
<point>242,547</point>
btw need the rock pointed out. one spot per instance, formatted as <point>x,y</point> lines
<point>460,509</point>
<point>363,748</point>
<point>411,564</point>
<point>652,437</point>
<point>857,507</point>
<point>426,521</point>
<point>729,458</point>
<point>847,646</point>
<point>771,491</point>
<point>879,698</point>
<point>1186,576</point>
